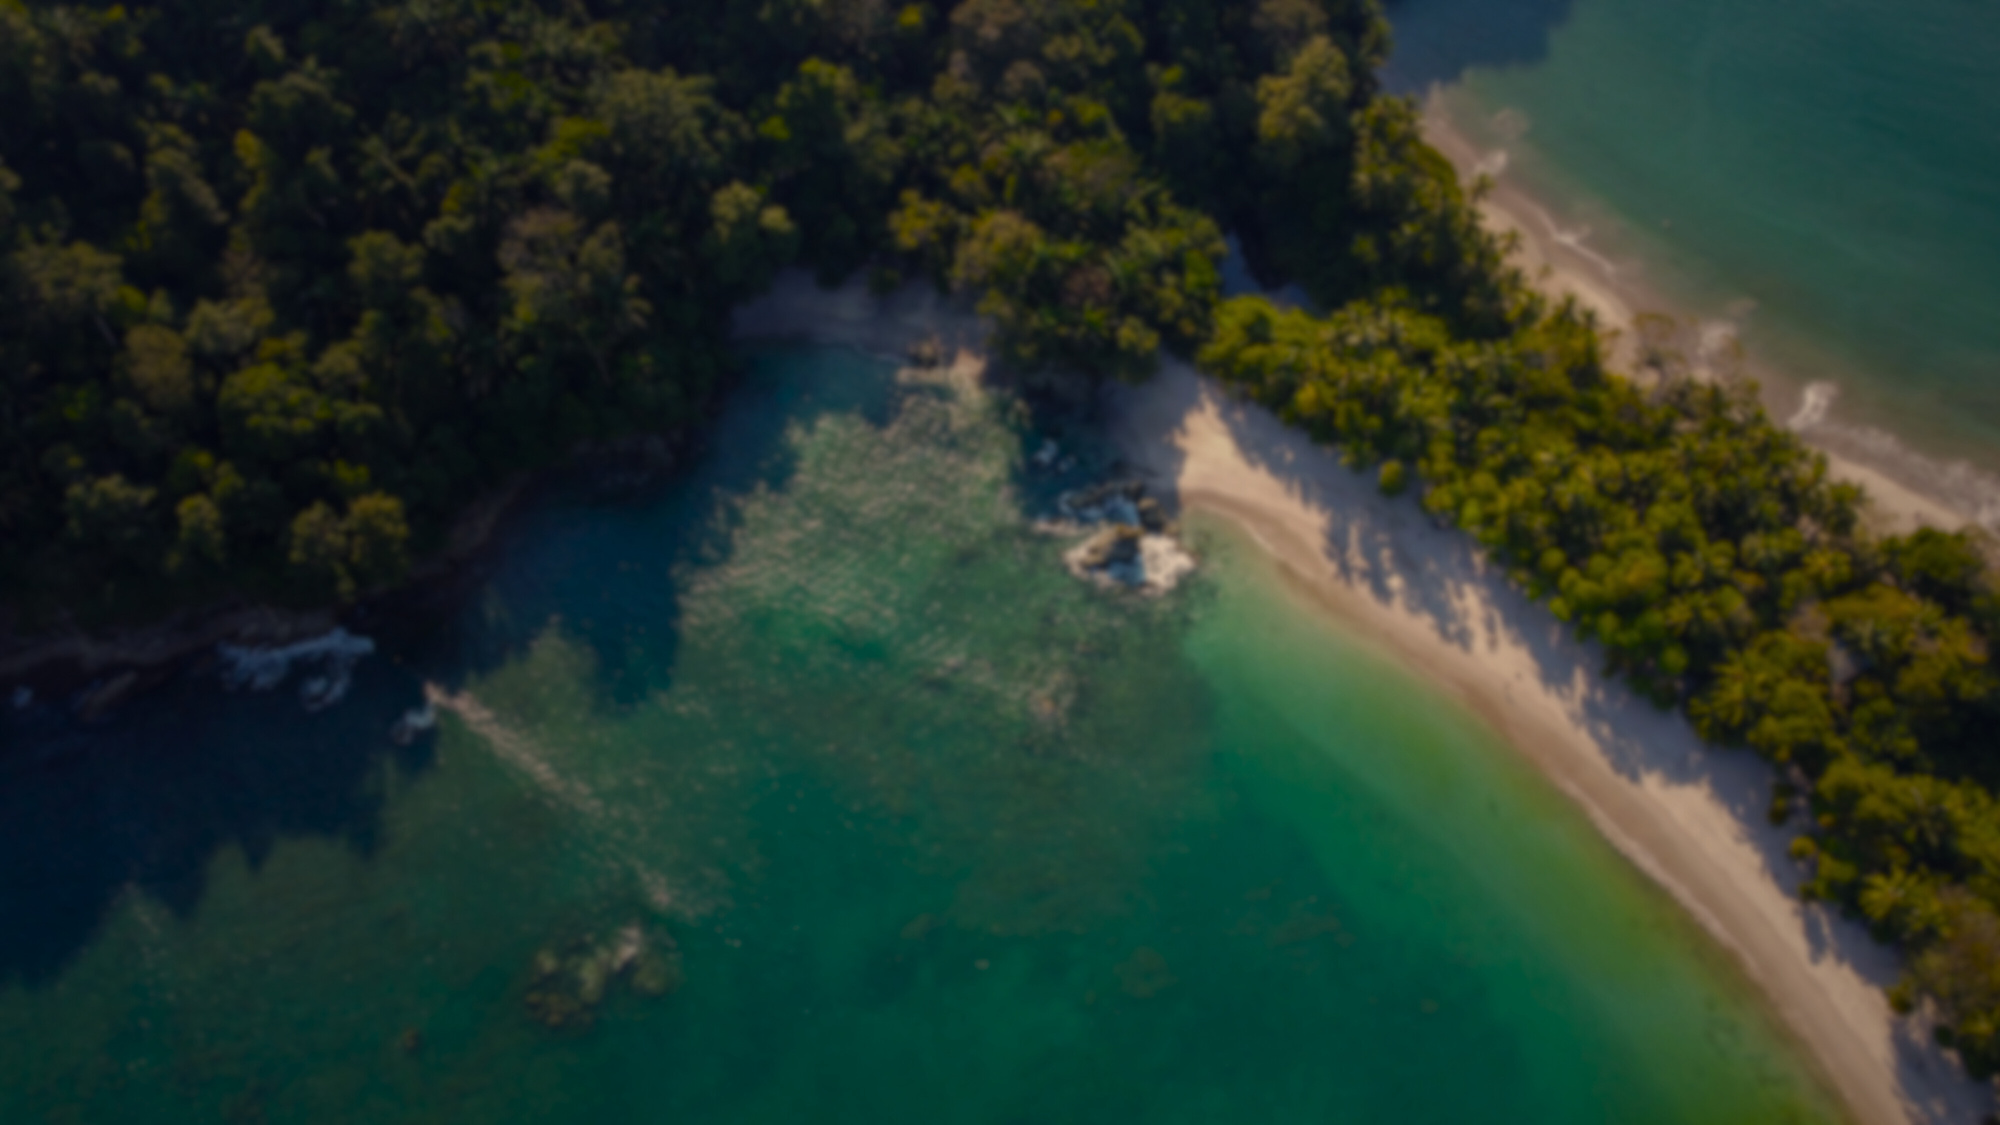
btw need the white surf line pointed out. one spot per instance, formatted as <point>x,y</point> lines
<point>1572,239</point>
<point>1813,405</point>
<point>1492,165</point>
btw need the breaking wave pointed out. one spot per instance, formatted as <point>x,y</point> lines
<point>1955,484</point>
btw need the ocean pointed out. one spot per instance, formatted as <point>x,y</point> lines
<point>1824,180</point>
<point>809,785</point>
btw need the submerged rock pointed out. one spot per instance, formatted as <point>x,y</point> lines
<point>567,986</point>
<point>656,971</point>
<point>926,353</point>
<point>1145,974</point>
<point>559,1011</point>
<point>593,972</point>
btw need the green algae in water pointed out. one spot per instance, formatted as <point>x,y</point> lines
<point>940,835</point>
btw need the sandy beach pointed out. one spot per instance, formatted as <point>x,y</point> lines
<point>1561,263</point>
<point>1691,816</point>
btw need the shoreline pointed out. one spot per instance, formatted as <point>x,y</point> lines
<point>1560,263</point>
<point>100,671</point>
<point>1689,815</point>
<point>103,670</point>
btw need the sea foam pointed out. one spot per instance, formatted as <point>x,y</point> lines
<point>1956,484</point>
<point>1813,405</point>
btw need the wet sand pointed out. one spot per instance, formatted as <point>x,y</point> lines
<point>1561,263</point>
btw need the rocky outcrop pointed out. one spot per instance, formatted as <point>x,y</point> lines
<point>1131,541</point>
<point>927,352</point>
<point>96,673</point>
<point>1118,543</point>
<point>90,667</point>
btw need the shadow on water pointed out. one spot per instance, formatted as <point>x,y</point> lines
<point>144,801</point>
<point>1444,579</point>
<point>1437,41</point>
<point>606,556</point>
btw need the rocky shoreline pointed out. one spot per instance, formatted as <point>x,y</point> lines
<point>103,671</point>
<point>1131,542</point>
<point>94,673</point>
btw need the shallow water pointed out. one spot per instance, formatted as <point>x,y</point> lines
<point>936,833</point>
<point>1827,177</point>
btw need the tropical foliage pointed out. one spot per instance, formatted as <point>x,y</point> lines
<point>1705,549</point>
<point>282,287</point>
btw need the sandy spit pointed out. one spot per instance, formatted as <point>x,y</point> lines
<point>1689,815</point>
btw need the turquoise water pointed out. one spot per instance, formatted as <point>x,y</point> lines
<point>923,829</point>
<point>1828,175</point>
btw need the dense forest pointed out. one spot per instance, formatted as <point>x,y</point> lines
<point>283,287</point>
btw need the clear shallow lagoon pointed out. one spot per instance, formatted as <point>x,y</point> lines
<point>1827,175</point>
<point>939,834</point>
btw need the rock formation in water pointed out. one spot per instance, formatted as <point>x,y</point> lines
<point>1133,545</point>
<point>567,986</point>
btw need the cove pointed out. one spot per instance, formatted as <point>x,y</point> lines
<point>910,824</point>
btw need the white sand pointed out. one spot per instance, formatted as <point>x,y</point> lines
<point>1689,815</point>
<point>1562,263</point>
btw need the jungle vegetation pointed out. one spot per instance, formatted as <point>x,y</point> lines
<point>284,286</point>
<point>1705,549</point>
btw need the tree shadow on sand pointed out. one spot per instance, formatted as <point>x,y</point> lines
<point>1400,557</point>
